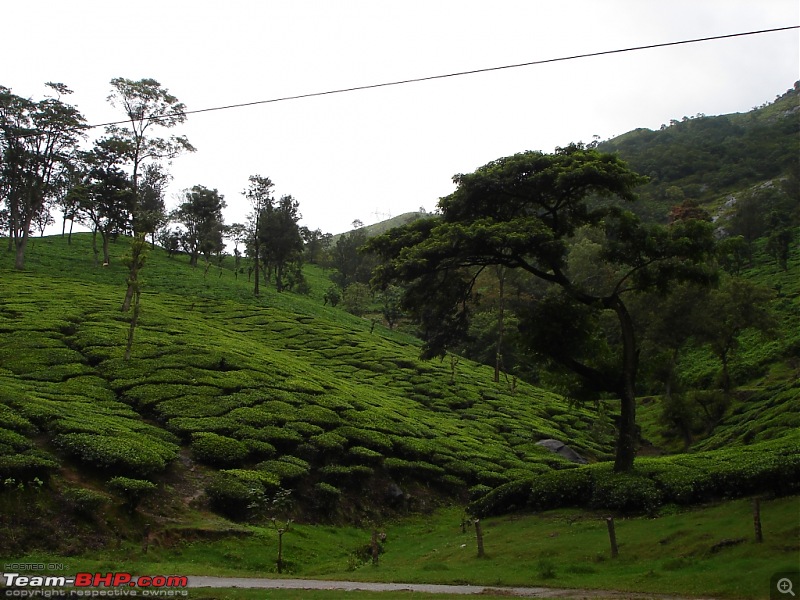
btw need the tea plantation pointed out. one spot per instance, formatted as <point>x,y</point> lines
<point>280,406</point>
<point>264,396</point>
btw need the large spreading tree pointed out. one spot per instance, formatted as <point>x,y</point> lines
<point>526,212</point>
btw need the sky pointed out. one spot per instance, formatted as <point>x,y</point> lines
<point>376,153</point>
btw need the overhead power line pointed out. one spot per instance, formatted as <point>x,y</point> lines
<point>462,73</point>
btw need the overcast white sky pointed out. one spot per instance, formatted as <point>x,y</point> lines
<point>371,154</point>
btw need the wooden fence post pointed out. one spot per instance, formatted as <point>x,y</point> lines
<point>612,535</point>
<point>374,546</point>
<point>757,520</point>
<point>479,535</point>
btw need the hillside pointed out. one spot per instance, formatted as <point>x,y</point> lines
<point>706,158</point>
<point>234,408</point>
<point>235,402</point>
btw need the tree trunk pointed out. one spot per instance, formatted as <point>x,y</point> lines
<point>94,245</point>
<point>22,244</point>
<point>501,310</point>
<point>626,438</point>
<point>726,377</point>
<point>106,252</point>
<point>279,278</point>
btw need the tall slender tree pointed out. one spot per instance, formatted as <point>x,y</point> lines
<point>147,107</point>
<point>259,193</point>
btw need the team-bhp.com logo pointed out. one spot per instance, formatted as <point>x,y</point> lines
<point>87,584</point>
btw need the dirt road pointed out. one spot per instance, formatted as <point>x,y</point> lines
<point>314,584</point>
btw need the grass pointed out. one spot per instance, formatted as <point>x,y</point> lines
<point>678,552</point>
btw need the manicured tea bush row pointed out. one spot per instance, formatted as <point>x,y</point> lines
<point>768,467</point>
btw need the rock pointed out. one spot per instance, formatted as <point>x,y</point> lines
<point>562,449</point>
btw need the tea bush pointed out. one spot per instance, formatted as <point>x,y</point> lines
<point>133,491</point>
<point>237,493</point>
<point>768,467</point>
<point>118,454</point>
<point>218,450</point>
<point>84,501</point>
<point>27,465</point>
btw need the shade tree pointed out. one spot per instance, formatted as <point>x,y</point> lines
<point>523,212</point>
<point>200,214</point>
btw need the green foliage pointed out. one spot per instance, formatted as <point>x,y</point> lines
<point>706,156</point>
<point>239,493</point>
<point>768,467</point>
<point>84,501</point>
<point>624,492</point>
<point>27,465</point>
<point>214,361</point>
<point>132,490</point>
<point>218,450</point>
<point>116,454</point>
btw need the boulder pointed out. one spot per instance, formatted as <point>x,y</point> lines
<point>562,449</point>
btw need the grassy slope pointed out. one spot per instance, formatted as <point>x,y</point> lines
<point>765,368</point>
<point>677,553</point>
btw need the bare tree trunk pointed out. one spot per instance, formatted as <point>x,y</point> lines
<point>22,244</point>
<point>134,322</point>
<point>498,362</point>
<point>626,438</point>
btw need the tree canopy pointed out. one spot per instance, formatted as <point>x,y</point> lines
<point>524,212</point>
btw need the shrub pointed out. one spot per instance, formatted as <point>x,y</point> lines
<point>362,455</point>
<point>558,489</point>
<point>84,501</point>
<point>416,469</point>
<point>624,492</point>
<point>14,440</point>
<point>259,449</point>
<point>26,466</point>
<point>345,473</point>
<point>139,455</point>
<point>12,420</point>
<point>218,450</point>
<point>237,493</point>
<point>284,469</point>
<point>476,492</point>
<point>328,442</point>
<point>506,498</point>
<point>326,497</point>
<point>367,437</point>
<point>188,425</point>
<point>132,490</point>
<point>318,415</point>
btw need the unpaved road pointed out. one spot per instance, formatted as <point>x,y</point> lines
<point>315,584</point>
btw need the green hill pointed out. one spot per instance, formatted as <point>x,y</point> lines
<point>707,158</point>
